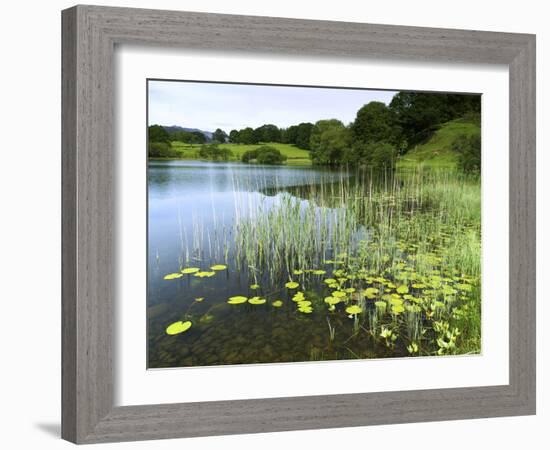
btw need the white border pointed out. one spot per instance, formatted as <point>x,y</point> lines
<point>136,385</point>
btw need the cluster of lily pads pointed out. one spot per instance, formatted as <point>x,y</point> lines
<point>195,271</point>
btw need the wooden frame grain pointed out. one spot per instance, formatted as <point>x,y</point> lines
<point>90,34</point>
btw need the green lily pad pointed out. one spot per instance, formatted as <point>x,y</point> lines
<point>205,274</point>
<point>178,327</point>
<point>172,276</point>
<point>254,286</point>
<point>188,270</point>
<point>277,303</point>
<point>397,309</point>
<point>402,289</point>
<point>319,272</point>
<point>339,294</point>
<point>218,267</point>
<point>354,310</point>
<point>298,297</point>
<point>371,292</point>
<point>330,280</point>
<point>256,301</point>
<point>199,299</point>
<point>237,300</point>
<point>298,272</point>
<point>292,285</point>
<point>332,300</point>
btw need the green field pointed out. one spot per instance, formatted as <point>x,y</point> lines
<point>437,152</point>
<point>295,155</point>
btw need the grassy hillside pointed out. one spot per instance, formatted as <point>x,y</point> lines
<point>295,155</point>
<point>437,152</point>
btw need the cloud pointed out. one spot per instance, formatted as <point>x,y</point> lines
<point>234,106</point>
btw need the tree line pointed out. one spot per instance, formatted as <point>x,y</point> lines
<point>377,136</point>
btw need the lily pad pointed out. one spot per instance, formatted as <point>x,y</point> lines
<point>178,327</point>
<point>403,289</point>
<point>205,274</point>
<point>256,301</point>
<point>332,300</point>
<point>172,276</point>
<point>292,285</point>
<point>199,299</point>
<point>237,300</point>
<point>188,270</point>
<point>254,286</point>
<point>330,280</point>
<point>319,272</point>
<point>218,267</point>
<point>397,309</point>
<point>277,303</point>
<point>339,294</point>
<point>298,297</point>
<point>298,272</point>
<point>354,310</point>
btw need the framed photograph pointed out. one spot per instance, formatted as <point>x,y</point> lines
<point>277,224</point>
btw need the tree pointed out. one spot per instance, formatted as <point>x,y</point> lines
<point>268,133</point>
<point>374,123</point>
<point>161,150</point>
<point>215,153</point>
<point>234,136</point>
<point>330,141</point>
<point>417,113</point>
<point>469,152</point>
<point>264,155</point>
<point>247,136</point>
<point>303,134</point>
<point>219,136</point>
<point>157,133</point>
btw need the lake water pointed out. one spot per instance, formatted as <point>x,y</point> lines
<point>192,207</point>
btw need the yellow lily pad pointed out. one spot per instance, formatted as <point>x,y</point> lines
<point>199,299</point>
<point>172,276</point>
<point>205,274</point>
<point>277,303</point>
<point>402,289</point>
<point>298,297</point>
<point>188,270</point>
<point>332,300</point>
<point>339,294</point>
<point>292,285</point>
<point>354,309</point>
<point>254,286</point>
<point>178,327</point>
<point>237,300</point>
<point>256,301</point>
<point>218,267</point>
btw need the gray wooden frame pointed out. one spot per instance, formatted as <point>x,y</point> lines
<point>89,36</point>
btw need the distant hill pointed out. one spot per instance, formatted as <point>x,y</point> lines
<point>175,128</point>
<point>438,151</point>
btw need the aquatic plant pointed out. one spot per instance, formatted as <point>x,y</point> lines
<point>178,327</point>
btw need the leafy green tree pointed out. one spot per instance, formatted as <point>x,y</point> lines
<point>234,136</point>
<point>219,136</point>
<point>268,133</point>
<point>303,135</point>
<point>374,123</point>
<point>161,150</point>
<point>264,155</point>
<point>330,141</point>
<point>418,113</point>
<point>157,133</point>
<point>247,136</point>
<point>469,152</point>
<point>215,153</point>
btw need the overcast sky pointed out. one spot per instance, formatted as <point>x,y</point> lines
<point>208,106</point>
